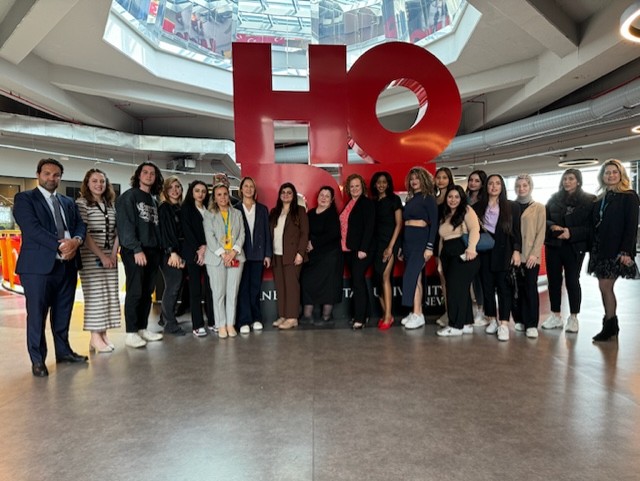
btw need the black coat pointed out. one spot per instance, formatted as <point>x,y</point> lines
<point>360,226</point>
<point>193,230</point>
<point>573,212</point>
<point>617,230</point>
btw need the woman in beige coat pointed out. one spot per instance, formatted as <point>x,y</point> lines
<point>526,307</point>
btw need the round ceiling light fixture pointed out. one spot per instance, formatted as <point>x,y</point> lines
<point>630,23</point>
<point>578,162</point>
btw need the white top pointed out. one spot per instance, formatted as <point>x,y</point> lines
<point>251,218</point>
<point>278,233</point>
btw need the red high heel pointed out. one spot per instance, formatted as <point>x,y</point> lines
<point>384,325</point>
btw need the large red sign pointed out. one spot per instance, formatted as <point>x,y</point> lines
<point>339,107</point>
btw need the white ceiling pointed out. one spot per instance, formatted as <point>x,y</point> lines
<point>525,58</point>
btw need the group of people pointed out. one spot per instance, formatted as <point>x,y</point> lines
<point>485,246</point>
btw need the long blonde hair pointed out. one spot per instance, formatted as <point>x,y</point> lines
<point>622,186</point>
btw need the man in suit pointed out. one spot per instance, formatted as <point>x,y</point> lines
<point>52,231</point>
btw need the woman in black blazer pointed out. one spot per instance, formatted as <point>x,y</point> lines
<point>356,222</point>
<point>194,247</point>
<point>501,218</point>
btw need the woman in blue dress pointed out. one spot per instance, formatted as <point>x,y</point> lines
<point>420,225</point>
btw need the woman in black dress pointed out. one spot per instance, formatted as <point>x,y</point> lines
<point>615,221</point>
<point>321,278</point>
<point>386,234</point>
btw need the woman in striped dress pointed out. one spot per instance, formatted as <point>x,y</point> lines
<point>99,274</point>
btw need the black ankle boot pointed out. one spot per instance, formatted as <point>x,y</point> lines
<point>609,329</point>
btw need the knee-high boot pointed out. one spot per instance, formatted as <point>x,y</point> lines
<point>610,329</point>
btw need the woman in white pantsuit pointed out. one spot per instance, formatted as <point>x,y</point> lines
<point>224,232</point>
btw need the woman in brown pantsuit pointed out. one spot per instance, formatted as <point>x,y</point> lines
<point>290,233</point>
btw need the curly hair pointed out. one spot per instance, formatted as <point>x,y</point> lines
<point>457,215</point>
<point>156,188</point>
<point>426,182</point>
<point>108,195</point>
<point>362,182</point>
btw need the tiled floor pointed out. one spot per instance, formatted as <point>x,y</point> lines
<point>329,405</point>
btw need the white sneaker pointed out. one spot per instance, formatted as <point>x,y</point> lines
<point>449,332</point>
<point>492,328</point>
<point>257,326</point>
<point>480,320</point>
<point>415,322</point>
<point>149,336</point>
<point>520,327</point>
<point>572,323</point>
<point>532,333</point>
<point>245,329</point>
<point>503,333</point>
<point>134,340</point>
<point>407,318</point>
<point>443,320</point>
<point>552,322</point>
<point>202,332</point>
<point>467,329</point>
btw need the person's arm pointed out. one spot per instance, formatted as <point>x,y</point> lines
<point>24,212</point>
<point>630,227</point>
<point>473,228</point>
<point>540,229</point>
<point>397,216</point>
<point>303,240</point>
<point>432,220</point>
<point>126,223</point>
<point>516,234</point>
<point>169,235</point>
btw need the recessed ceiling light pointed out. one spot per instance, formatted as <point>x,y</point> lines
<point>578,162</point>
<point>630,23</point>
<point>636,129</point>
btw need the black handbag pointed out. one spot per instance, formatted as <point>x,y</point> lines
<point>486,242</point>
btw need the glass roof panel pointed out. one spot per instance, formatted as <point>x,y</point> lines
<point>204,30</point>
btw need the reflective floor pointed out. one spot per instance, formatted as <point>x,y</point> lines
<point>329,405</point>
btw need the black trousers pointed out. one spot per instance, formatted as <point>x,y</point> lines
<point>172,283</point>
<point>458,275</point>
<point>199,289</point>
<point>140,284</point>
<point>249,293</point>
<point>526,308</point>
<point>361,299</point>
<point>495,282</point>
<point>51,294</point>
<point>559,259</point>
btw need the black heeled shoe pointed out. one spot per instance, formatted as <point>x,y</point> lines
<point>359,325</point>
<point>610,329</point>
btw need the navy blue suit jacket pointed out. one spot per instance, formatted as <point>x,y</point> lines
<point>259,247</point>
<point>39,233</point>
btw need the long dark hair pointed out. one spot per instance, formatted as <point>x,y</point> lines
<point>156,188</point>
<point>108,196</point>
<point>483,184</point>
<point>447,171</point>
<point>188,198</point>
<point>293,208</point>
<point>505,220</point>
<point>374,180</point>
<point>457,216</point>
